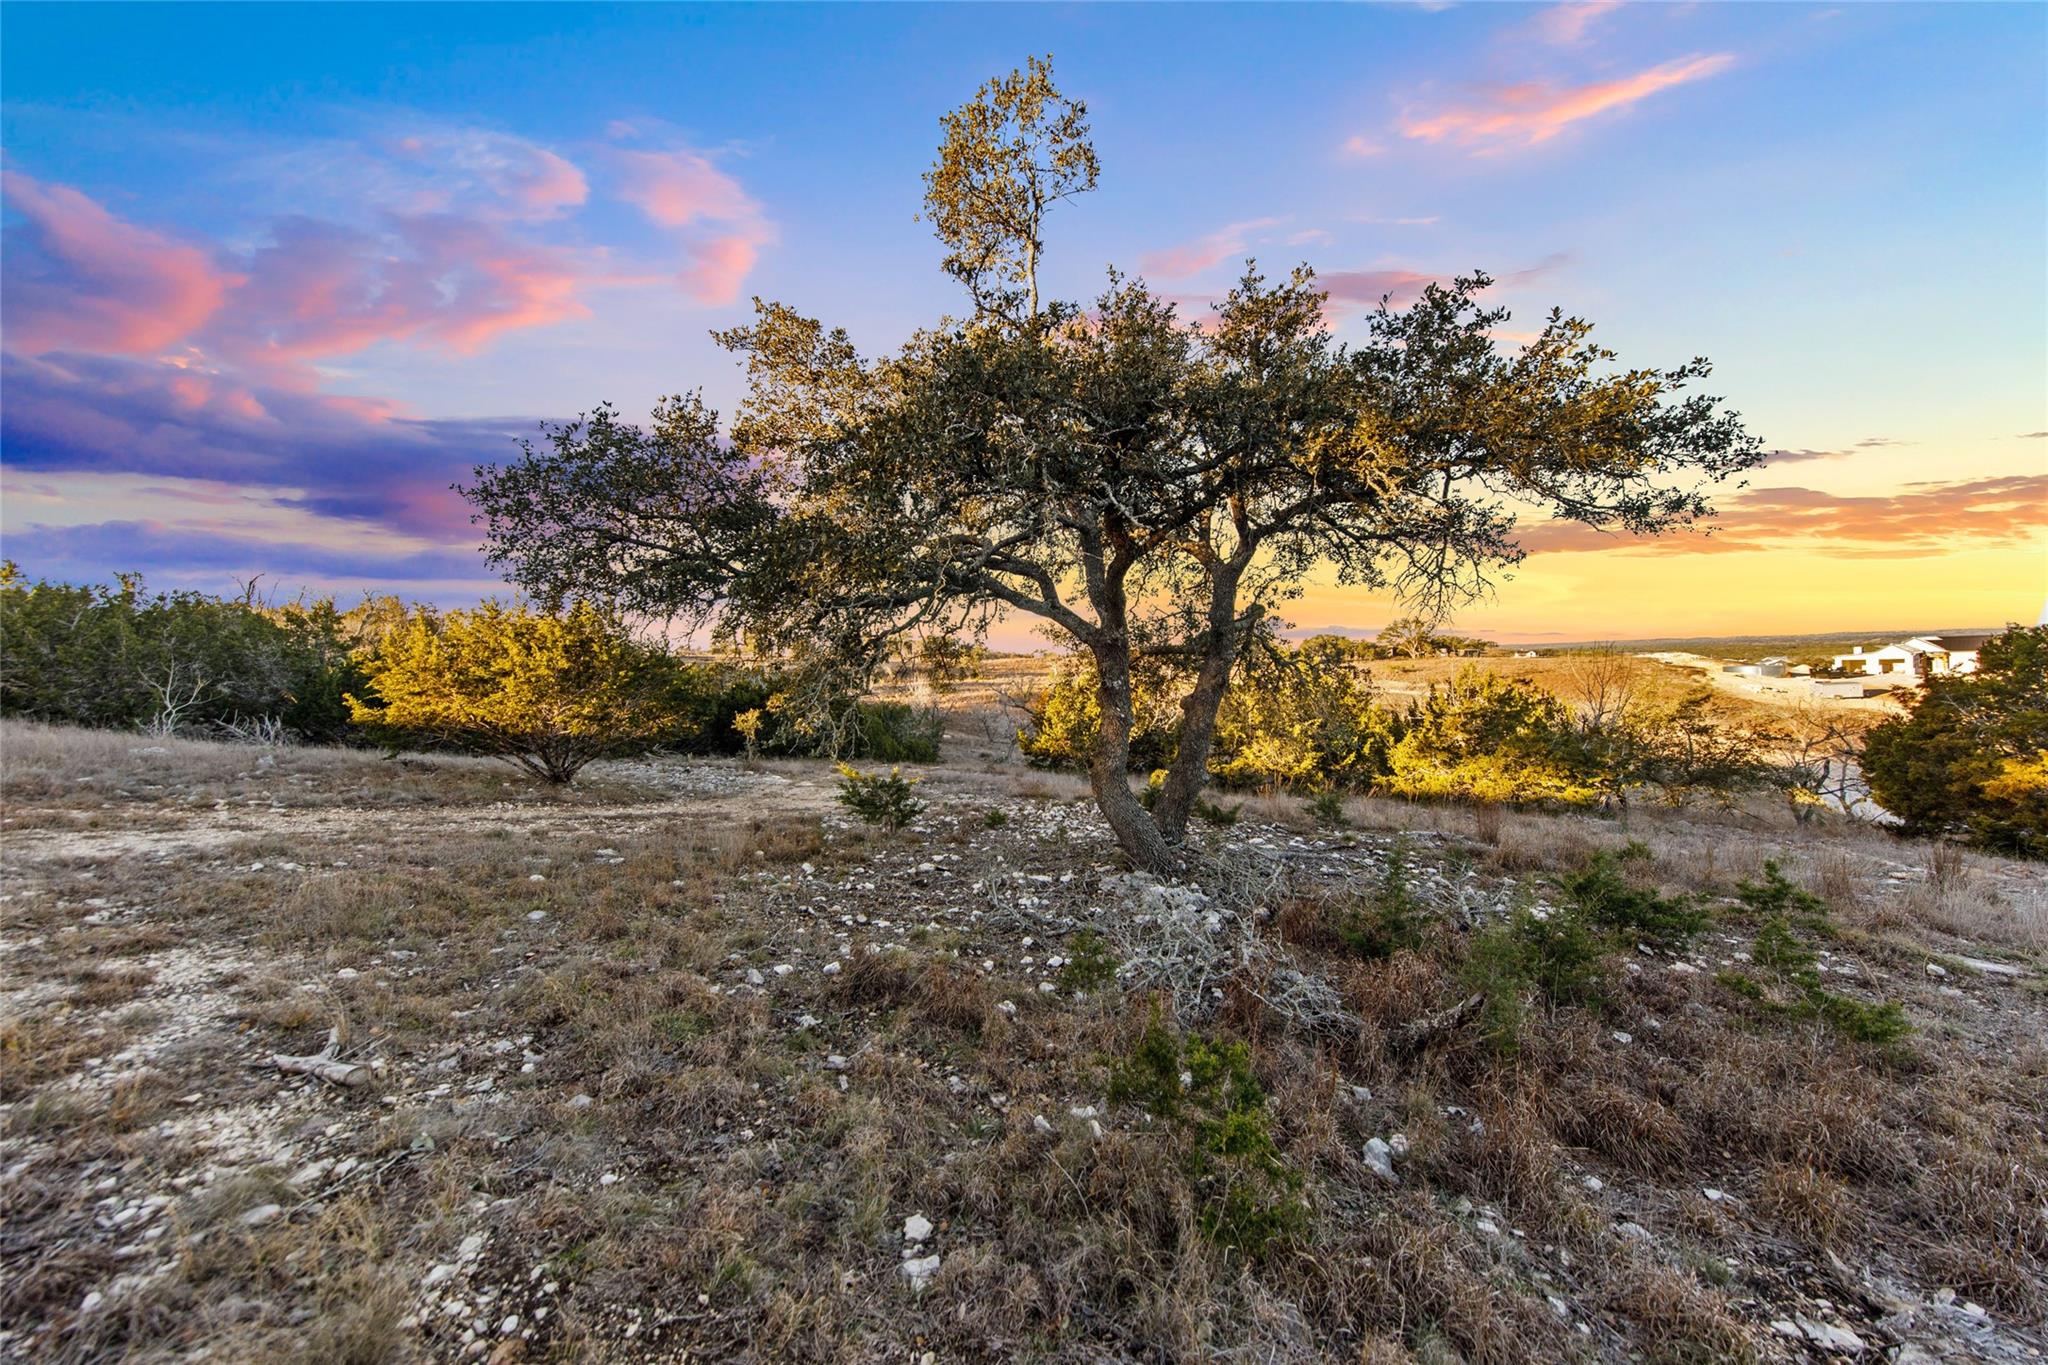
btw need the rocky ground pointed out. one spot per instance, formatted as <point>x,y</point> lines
<point>688,1064</point>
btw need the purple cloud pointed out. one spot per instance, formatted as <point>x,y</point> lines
<point>90,552</point>
<point>347,457</point>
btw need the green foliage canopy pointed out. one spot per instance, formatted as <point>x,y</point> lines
<point>1972,758</point>
<point>122,656</point>
<point>1147,485</point>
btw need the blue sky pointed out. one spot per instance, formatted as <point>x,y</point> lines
<point>275,274</point>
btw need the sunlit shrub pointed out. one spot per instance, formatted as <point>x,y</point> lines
<point>1294,718</point>
<point>1482,737</point>
<point>549,693</point>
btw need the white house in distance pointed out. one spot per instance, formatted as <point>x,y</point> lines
<point>1777,666</point>
<point>1923,656</point>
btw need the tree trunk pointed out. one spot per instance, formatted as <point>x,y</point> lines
<point>1109,771</point>
<point>1190,770</point>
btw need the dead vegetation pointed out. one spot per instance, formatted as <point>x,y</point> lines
<point>664,1071</point>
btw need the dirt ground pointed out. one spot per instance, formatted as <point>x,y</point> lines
<point>683,1063</point>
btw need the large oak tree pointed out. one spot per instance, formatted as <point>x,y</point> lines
<point>1149,486</point>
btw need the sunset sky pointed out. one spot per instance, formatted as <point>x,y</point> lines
<point>275,276</point>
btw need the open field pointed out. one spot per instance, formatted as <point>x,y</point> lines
<point>1811,649</point>
<point>659,1066</point>
<point>983,711</point>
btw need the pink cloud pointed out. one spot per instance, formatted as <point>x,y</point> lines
<point>317,289</point>
<point>1354,289</point>
<point>498,174</point>
<point>1361,146</point>
<point>1919,519</point>
<point>1192,258</point>
<point>79,278</point>
<point>723,228</point>
<point>476,283</point>
<point>1565,25</point>
<point>720,267</point>
<point>196,393</point>
<point>1530,113</point>
<point>678,188</point>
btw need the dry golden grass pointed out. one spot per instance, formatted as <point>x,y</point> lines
<point>575,1066</point>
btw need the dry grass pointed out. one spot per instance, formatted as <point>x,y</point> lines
<point>63,778</point>
<point>588,1062</point>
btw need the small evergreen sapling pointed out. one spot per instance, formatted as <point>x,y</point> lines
<point>1248,1195</point>
<point>878,800</point>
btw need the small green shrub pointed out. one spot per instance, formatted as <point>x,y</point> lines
<point>1602,892</point>
<point>1557,959</point>
<point>995,819</point>
<point>1391,922</point>
<point>1089,962</point>
<point>1791,965</point>
<point>1882,1023</point>
<point>1777,897</point>
<point>1249,1197</point>
<point>1747,987</point>
<point>1778,951</point>
<point>1327,808</point>
<point>1561,956</point>
<point>878,800</point>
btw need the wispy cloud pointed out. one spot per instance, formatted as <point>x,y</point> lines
<point>1429,221</point>
<point>340,456</point>
<point>1803,456</point>
<point>78,278</point>
<point>1919,519</point>
<point>1351,290</point>
<point>1192,258</point>
<point>680,189</point>
<point>1355,291</point>
<point>503,174</point>
<point>1524,115</point>
<point>315,289</point>
<point>1566,25</point>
